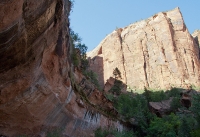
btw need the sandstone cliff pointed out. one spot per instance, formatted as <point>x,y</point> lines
<point>196,35</point>
<point>156,53</point>
<point>39,88</point>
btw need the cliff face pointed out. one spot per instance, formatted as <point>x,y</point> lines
<point>37,80</point>
<point>156,53</point>
<point>196,36</point>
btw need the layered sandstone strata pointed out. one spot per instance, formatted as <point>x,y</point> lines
<point>36,87</point>
<point>156,53</point>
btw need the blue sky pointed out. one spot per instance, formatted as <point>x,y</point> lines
<point>94,19</point>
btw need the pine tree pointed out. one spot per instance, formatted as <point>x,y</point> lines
<point>117,73</point>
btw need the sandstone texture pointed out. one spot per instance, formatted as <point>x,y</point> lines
<point>39,87</point>
<point>156,53</point>
<point>196,35</point>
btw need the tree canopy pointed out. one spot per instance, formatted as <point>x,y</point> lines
<point>117,73</point>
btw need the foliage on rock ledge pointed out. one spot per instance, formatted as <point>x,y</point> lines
<point>113,132</point>
<point>79,58</point>
<point>181,122</point>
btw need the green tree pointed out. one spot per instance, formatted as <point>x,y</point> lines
<point>132,107</point>
<point>164,127</point>
<point>186,126</point>
<point>117,73</point>
<point>175,104</point>
<point>195,107</point>
<point>157,96</point>
<point>105,132</point>
<point>82,49</point>
<point>116,88</point>
<point>92,77</point>
<point>195,133</point>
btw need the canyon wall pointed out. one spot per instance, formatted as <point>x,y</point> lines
<point>37,79</point>
<point>196,35</point>
<point>156,53</point>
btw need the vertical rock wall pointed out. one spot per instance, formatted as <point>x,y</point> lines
<point>36,90</point>
<point>156,53</point>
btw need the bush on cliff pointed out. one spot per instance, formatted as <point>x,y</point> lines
<point>79,58</point>
<point>134,107</point>
<point>164,127</point>
<point>195,108</point>
<point>79,49</point>
<point>113,132</point>
<point>92,77</point>
<point>116,88</point>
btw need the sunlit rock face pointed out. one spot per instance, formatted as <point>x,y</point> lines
<point>36,87</point>
<point>156,53</point>
<point>196,35</point>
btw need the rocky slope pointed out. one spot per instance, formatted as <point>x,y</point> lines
<point>156,53</point>
<point>39,87</point>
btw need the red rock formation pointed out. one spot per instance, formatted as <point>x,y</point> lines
<point>157,53</point>
<point>37,81</point>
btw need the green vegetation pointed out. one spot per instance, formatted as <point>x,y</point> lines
<point>104,133</point>
<point>161,95</point>
<point>79,58</point>
<point>131,106</point>
<point>92,77</point>
<point>195,88</point>
<point>117,87</point>
<point>155,96</point>
<point>175,104</point>
<point>195,108</point>
<point>117,73</point>
<point>110,97</point>
<point>79,49</point>
<point>55,133</point>
<point>134,109</point>
<point>164,127</point>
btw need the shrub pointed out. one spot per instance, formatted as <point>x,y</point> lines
<point>110,97</point>
<point>117,73</point>
<point>156,96</point>
<point>130,106</point>
<point>195,133</point>
<point>84,64</point>
<point>174,92</point>
<point>82,48</point>
<point>101,133</point>
<point>164,127</point>
<point>92,77</point>
<point>55,133</point>
<point>175,104</point>
<point>186,125</point>
<point>105,132</point>
<point>75,59</point>
<point>195,107</point>
<point>116,87</point>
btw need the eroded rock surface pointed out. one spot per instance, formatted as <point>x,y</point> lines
<point>196,35</point>
<point>156,53</point>
<point>37,81</point>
